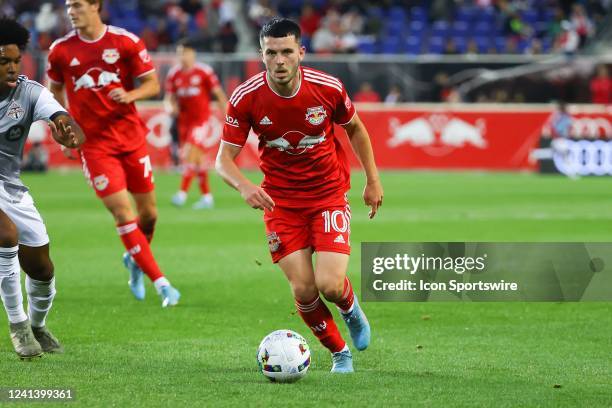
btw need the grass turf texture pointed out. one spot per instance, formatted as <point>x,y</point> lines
<point>121,352</point>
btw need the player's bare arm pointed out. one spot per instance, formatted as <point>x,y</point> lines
<point>255,196</point>
<point>171,105</point>
<point>149,87</point>
<point>360,140</point>
<point>220,96</point>
<point>66,131</point>
<point>58,91</point>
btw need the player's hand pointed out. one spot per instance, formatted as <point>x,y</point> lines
<point>256,197</point>
<point>373,196</point>
<point>65,135</point>
<point>120,95</point>
<point>68,153</point>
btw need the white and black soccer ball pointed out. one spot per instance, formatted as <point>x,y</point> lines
<point>283,356</point>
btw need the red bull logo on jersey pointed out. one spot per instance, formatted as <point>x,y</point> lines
<point>110,55</point>
<point>295,142</point>
<point>96,79</point>
<point>438,134</point>
<point>316,115</point>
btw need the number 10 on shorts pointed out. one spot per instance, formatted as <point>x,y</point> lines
<point>337,220</point>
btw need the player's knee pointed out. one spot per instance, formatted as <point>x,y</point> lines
<point>44,270</point>
<point>148,216</point>
<point>8,235</point>
<point>332,291</point>
<point>303,292</point>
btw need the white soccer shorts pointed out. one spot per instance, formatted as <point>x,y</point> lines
<point>30,226</point>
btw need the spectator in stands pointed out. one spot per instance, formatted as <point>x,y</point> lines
<point>450,48</point>
<point>331,38</point>
<point>581,23</point>
<point>260,11</point>
<point>472,48</point>
<point>394,96</point>
<point>191,7</point>
<point>309,20</point>
<point>568,41</point>
<point>366,94</point>
<point>601,86</point>
<point>227,38</point>
<point>535,47</point>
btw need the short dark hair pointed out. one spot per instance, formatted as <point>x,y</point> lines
<point>188,43</point>
<point>279,28</point>
<point>99,2</point>
<point>11,32</point>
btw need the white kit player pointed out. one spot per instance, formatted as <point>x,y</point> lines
<point>23,236</point>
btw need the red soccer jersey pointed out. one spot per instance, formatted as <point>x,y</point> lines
<point>302,159</point>
<point>192,89</point>
<point>90,70</point>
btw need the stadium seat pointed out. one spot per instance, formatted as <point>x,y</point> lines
<point>440,28</point>
<point>395,28</point>
<point>436,45</point>
<point>460,29</point>
<point>413,45</point>
<point>397,13</point>
<point>416,29</point>
<point>486,16</point>
<point>465,15</point>
<point>375,13</point>
<point>483,29</point>
<point>500,44</point>
<point>390,45</point>
<point>483,44</point>
<point>419,14</point>
<point>529,16</point>
<point>367,45</point>
<point>460,44</point>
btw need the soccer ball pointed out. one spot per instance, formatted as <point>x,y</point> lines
<point>283,356</point>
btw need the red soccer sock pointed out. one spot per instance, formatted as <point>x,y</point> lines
<point>318,317</point>
<point>203,177</point>
<point>345,303</point>
<point>188,175</point>
<point>147,229</point>
<point>137,245</point>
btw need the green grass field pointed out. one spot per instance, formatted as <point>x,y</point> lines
<point>120,352</point>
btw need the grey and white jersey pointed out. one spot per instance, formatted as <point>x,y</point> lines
<point>27,103</point>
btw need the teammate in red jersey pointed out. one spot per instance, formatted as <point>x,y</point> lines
<point>188,89</point>
<point>292,110</point>
<point>96,66</point>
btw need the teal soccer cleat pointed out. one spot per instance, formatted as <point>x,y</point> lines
<point>358,326</point>
<point>170,296</point>
<point>136,281</point>
<point>342,362</point>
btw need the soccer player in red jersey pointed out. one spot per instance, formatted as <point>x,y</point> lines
<point>293,109</point>
<point>96,66</point>
<point>188,88</point>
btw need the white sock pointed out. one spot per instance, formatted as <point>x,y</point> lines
<point>207,197</point>
<point>10,285</point>
<point>160,283</point>
<point>40,299</point>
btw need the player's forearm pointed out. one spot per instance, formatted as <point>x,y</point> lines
<point>360,140</point>
<point>147,89</point>
<point>57,91</point>
<point>230,173</point>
